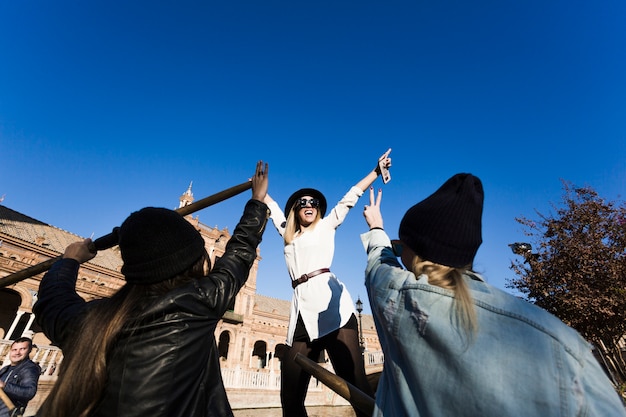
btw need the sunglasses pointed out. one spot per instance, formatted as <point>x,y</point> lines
<point>313,202</point>
<point>396,247</point>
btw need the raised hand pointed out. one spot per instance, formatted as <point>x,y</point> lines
<point>81,251</point>
<point>371,212</point>
<point>386,159</point>
<point>260,181</point>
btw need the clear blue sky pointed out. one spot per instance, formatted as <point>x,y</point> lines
<point>110,106</point>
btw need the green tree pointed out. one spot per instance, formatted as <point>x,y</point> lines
<point>578,270</point>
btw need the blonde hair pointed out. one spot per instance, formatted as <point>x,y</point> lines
<point>451,279</point>
<point>293,224</point>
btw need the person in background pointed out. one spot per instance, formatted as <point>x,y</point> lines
<point>455,345</point>
<point>150,349</point>
<point>19,379</point>
<point>322,315</point>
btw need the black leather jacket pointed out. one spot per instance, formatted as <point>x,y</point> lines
<point>168,365</point>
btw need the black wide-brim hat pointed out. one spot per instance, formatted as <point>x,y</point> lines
<point>301,193</point>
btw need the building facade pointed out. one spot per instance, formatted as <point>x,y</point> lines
<point>249,335</point>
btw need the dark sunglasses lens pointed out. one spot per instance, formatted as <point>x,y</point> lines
<point>314,202</point>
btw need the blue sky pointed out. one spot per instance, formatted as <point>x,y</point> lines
<point>110,106</point>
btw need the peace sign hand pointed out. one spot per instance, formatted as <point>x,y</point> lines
<point>371,212</point>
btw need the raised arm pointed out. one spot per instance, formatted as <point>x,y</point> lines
<point>260,181</point>
<point>369,179</point>
<point>276,214</point>
<point>371,211</point>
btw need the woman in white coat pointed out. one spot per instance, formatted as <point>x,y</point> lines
<point>322,313</point>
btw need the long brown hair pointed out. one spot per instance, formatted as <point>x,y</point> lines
<point>83,373</point>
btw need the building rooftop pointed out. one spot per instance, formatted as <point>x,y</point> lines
<point>271,305</point>
<point>22,227</point>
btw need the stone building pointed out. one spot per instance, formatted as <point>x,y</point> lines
<point>248,336</point>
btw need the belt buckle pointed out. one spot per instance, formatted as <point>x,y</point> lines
<point>304,278</point>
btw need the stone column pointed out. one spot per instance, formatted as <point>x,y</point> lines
<point>27,331</point>
<point>18,316</point>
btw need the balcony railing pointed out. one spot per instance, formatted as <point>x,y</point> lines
<point>50,357</point>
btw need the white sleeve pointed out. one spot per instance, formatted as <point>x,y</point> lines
<point>340,211</point>
<point>278,217</point>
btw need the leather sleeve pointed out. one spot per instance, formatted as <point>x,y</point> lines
<point>231,271</point>
<point>59,308</point>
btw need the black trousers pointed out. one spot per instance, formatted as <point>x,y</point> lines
<point>344,351</point>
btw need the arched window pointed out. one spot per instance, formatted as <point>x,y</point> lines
<point>223,344</point>
<point>260,351</point>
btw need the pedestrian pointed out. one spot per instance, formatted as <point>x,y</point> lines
<point>19,378</point>
<point>322,315</point>
<point>150,349</point>
<point>455,345</point>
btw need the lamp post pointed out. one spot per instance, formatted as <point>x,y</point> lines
<point>521,248</point>
<point>525,250</point>
<point>359,308</point>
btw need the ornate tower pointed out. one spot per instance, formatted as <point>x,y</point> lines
<point>187,197</point>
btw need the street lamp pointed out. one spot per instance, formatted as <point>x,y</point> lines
<point>520,248</point>
<point>525,250</point>
<point>359,308</point>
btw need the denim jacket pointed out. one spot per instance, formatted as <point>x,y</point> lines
<point>523,361</point>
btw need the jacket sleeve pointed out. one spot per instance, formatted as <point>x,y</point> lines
<point>22,387</point>
<point>59,308</point>
<point>232,269</point>
<point>378,247</point>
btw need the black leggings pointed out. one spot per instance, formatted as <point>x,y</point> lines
<point>344,352</point>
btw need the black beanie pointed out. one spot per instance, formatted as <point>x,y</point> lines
<point>445,228</point>
<point>157,244</point>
